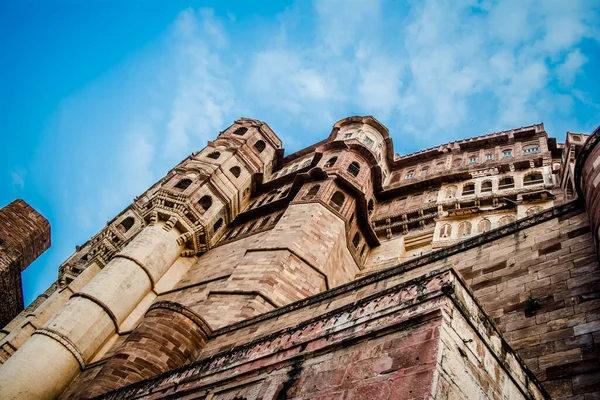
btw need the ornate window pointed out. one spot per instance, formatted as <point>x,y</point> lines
<point>533,178</point>
<point>285,193</point>
<point>249,228</point>
<point>486,186</point>
<point>337,200</point>
<point>484,226</point>
<point>218,225</point>
<point>183,184</point>
<point>446,231</point>
<point>456,163</point>
<point>241,131</point>
<point>424,171</point>
<point>368,141</point>
<point>506,183</point>
<point>126,224</point>
<point>235,171</point>
<point>532,148</point>
<point>354,168</point>
<point>507,219</point>
<point>312,192</point>
<point>295,167</point>
<point>472,159</point>
<point>464,229</point>
<point>440,166</point>
<point>356,240</point>
<point>451,192</point>
<point>489,157</point>
<point>331,162</point>
<point>205,202</point>
<point>468,189</point>
<point>533,210</point>
<point>348,135</point>
<point>214,155</point>
<point>409,175</point>
<point>507,153</point>
<point>260,146</point>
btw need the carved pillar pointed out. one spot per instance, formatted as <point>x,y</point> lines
<point>45,365</point>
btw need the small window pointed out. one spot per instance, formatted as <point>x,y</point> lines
<point>348,135</point>
<point>250,226</point>
<point>312,191</point>
<point>235,171</point>
<point>370,206</point>
<point>446,231</point>
<point>486,186</point>
<point>506,183</point>
<point>464,229</point>
<point>533,179</point>
<point>484,226</point>
<point>264,222</point>
<point>183,184</point>
<point>126,224</point>
<point>285,193</point>
<point>456,163</point>
<point>532,148</point>
<point>246,192</point>
<point>356,240</point>
<point>354,168</point>
<point>489,157</point>
<point>440,166</point>
<point>368,141</point>
<point>205,202</point>
<point>533,210</point>
<point>271,199</point>
<point>507,219</point>
<point>337,200</point>
<point>331,162</point>
<point>507,153</point>
<point>241,131</point>
<point>260,146</point>
<point>472,160</point>
<point>218,225</point>
<point>409,175</point>
<point>468,189</point>
<point>214,155</point>
<point>424,171</point>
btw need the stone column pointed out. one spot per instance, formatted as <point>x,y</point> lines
<point>45,365</point>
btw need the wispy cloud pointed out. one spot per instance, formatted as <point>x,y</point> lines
<point>18,179</point>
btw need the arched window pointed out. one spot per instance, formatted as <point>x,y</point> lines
<point>506,183</point>
<point>305,163</point>
<point>533,210</point>
<point>440,166</point>
<point>484,226</point>
<point>486,186</point>
<point>370,206</point>
<point>337,200</point>
<point>507,219</point>
<point>312,191</point>
<point>464,229</point>
<point>241,131</point>
<point>446,231</point>
<point>354,168</point>
<point>277,218</point>
<point>450,192</point>
<point>330,163</point>
<point>468,189</point>
<point>409,175</point>
<point>260,146</point>
<point>424,171</point>
<point>456,163</point>
<point>126,224</point>
<point>205,202</point>
<point>235,171</point>
<point>264,222</point>
<point>533,178</point>
<point>183,184</point>
<point>214,155</point>
<point>218,225</point>
<point>356,240</point>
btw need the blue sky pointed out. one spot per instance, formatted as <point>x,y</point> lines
<point>99,99</point>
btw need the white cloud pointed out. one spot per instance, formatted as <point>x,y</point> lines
<point>18,179</point>
<point>568,70</point>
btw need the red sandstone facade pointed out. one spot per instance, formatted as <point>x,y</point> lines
<point>24,236</point>
<point>342,271</point>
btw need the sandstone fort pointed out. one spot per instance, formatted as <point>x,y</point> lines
<point>342,271</point>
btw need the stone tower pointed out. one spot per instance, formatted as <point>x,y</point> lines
<point>24,236</point>
<point>341,271</point>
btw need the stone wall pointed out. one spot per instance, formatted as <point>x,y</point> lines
<point>588,182</point>
<point>24,236</point>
